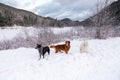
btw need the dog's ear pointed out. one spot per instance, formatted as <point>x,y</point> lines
<point>40,45</point>
<point>69,42</point>
<point>65,42</point>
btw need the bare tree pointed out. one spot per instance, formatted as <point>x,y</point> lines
<point>102,16</point>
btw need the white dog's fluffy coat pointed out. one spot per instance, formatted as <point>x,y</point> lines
<point>84,47</point>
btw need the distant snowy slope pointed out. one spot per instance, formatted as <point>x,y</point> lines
<point>10,33</point>
<point>102,63</point>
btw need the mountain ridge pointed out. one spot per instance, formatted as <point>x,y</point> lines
<point>114,9</point>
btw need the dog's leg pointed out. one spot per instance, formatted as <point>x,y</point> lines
<point>56,51</point>
<point>60,51</point>
<point>43,56</point>
<point>40,56</point>
<point>66,52</point>
<point>49,52</point>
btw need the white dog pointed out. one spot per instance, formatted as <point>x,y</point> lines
<point>84,47</point>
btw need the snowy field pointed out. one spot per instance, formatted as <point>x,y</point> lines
<point>10,33</point>
<point>102,63</point>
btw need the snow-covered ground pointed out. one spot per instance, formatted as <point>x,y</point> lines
<point>102,63</point>
<point>61,30</point>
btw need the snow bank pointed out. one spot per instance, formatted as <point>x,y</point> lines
<point>102,63</point>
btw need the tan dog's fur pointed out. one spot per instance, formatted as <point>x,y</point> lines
<point>84,47</point>
<point>62,47</point>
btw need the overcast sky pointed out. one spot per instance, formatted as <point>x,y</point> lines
<point>73,9</point>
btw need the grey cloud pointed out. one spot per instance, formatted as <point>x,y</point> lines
<point>10,2</point>
<point>58,9</point>
<point>47,9</point>
<point>65,2</point>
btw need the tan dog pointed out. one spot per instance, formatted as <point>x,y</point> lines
<point>62,47</point>
<point>84,47</point>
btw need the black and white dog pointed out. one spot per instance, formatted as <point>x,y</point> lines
<point>42,50</point>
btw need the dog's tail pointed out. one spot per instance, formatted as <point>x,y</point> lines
<point>52,46</point>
